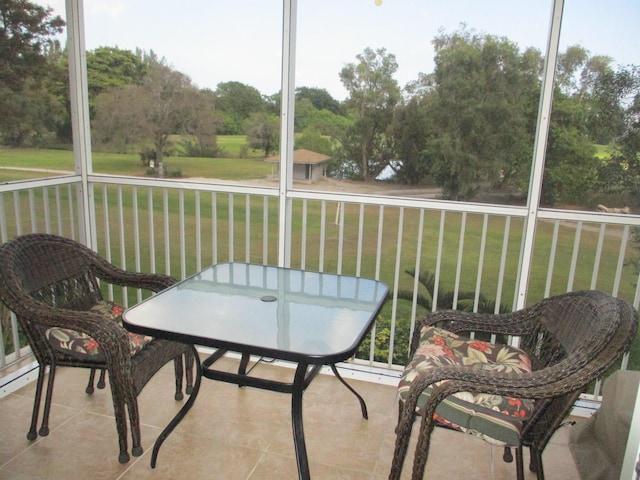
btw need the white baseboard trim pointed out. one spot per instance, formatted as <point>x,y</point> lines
<point>17,379</point>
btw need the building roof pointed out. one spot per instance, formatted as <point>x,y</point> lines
<point>302,155</point>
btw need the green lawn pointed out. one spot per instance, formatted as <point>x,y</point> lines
<point>128,164</point>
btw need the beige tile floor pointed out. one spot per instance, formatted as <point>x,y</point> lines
<point>239,433</point>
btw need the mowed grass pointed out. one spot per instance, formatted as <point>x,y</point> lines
<point>230,168</point>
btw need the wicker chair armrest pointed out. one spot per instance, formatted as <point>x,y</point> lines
<point>109,273</point>
<point>512,323</point>
<point>545,383</point>
<point>155,282</point>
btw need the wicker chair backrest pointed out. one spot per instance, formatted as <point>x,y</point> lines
<point>56,273</point>
<point>571,328</point>
<point>610,313</point>
<point>50,270</point>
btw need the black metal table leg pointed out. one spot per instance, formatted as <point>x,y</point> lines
<point>296,420</point>
<point>181,413</point>
<point>363,405</point>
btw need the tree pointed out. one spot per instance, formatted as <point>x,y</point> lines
<point>591,83</point>
<point>263,132</point>
<point>320,98</point>
<point>29,113</point>
<point>411,130</point>
<point>570,171</point>
<point>482,111</point>
<point>312,139</point>
<point>620,174</point>
<point>373,96</point>
<point>147,113</point>
<point>26,35</point>
<point>237,102</point>
<point>111,67</point>
<point>202,124</point>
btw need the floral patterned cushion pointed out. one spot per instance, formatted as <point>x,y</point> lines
<point>80,344</point>
<point>495,418</point>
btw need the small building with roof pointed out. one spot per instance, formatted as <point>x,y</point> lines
<point>307,164</point>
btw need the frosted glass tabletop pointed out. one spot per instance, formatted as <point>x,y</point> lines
<point>285,313</point>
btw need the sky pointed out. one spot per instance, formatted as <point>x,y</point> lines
<point>215,41</point>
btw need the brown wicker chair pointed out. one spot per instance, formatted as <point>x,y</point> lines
<point>51,283</point>
<point>570,341</point>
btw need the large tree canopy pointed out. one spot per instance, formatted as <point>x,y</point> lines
<point>27,33</point>
<point>373,96</point>
<point>165,103</point>
<point>484,94</point>
<point>237,102</point>
<point>29,112</point>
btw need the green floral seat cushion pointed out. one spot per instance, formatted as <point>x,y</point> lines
<point>495,418</point>
<point>80,344</point>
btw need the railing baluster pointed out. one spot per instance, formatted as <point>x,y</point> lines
<point>58,208</point>
<point>107,233</point>
<point>152,229</point>
<point>303,236</point>
<point>598,257</point>
<point>396,284</point>
<point>46,210</point>
<point>123,248</point>
<point>360,237</point>
<point>552,257</point>
<point>33,211</point>
<point>574,256</point>
<point>623,247</point>
<point>340,236</point>
<point>483,244</point>
<point>265,230</point>
<point>181,231</point>
<point>247,229</point>
<point>167,229</point>
<point>198,227</point>
<point>214,227</point>
<point>231,225</point>
<point>323,223</point>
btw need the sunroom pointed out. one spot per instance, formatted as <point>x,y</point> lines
<point>499,239</point>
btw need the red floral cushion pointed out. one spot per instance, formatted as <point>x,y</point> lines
<point>491,416</point>
<point>80,344</point>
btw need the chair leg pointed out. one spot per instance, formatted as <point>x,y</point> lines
<point>507,456</point>
<point>134,420</point>
<point>519,463</point>
<point>119,412</point>
<point>92,376</point>
<point>102,381</point>
<point>178,369</point>
<point>33,433</point>
<point>535,465</point>
<point>403,435</point>
<point>422,447</point>
<point>44,426</point>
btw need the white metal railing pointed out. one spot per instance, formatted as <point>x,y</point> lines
<point>178,227</point>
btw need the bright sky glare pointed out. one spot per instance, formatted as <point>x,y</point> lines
<point>215,41</point>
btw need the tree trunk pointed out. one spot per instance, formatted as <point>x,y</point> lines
<point>160,170</point>
<point>365,161</point>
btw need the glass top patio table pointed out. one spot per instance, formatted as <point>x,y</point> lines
<point>310,318</point>
<point>285,313</point>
